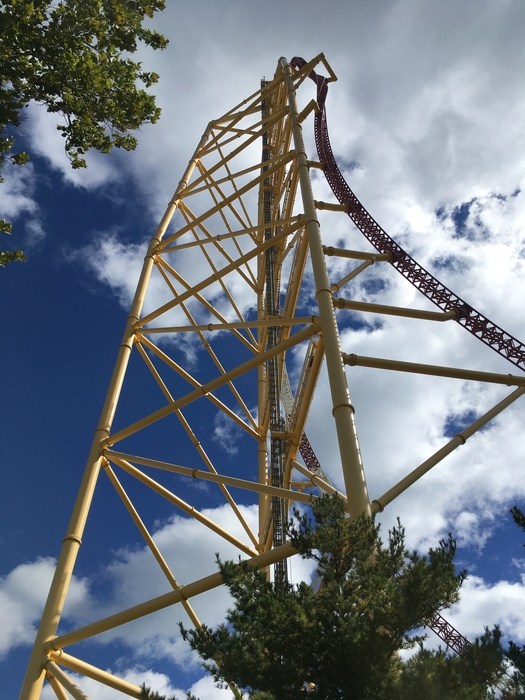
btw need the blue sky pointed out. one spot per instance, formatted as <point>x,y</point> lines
<point>427,116</point>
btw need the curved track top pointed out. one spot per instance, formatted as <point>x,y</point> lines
<point>480,326</point>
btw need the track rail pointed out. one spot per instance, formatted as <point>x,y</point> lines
<point>473,321</point>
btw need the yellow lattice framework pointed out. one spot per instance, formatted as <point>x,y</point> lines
<point>236,238</point>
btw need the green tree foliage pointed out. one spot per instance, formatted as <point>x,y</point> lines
<point>72,56</point>
<point>519,517</point>
<point>9,256</point>
<point>515,653</point>
<point>478,674</point>
<point>342,641</point>
<point>147,694</point>
<point>283,641</point>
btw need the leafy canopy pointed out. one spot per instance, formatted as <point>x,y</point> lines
<point>72,56</point>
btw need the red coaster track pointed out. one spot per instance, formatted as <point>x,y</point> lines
<point>481,327</point>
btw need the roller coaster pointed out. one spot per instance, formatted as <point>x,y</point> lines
<point>236,276</point>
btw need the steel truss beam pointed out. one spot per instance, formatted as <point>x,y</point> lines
<point>232,287</point>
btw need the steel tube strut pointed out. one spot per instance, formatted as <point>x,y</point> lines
<point>343,411</point>
<point>433,370</point>
<point>380,503</point>
<point>59,691</point>
<point>161,602</point>
<point>65,681</point>
<point>120,458</point>
<point>79,666</point>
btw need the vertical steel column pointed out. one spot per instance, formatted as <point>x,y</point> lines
<point>343,411</point>
<point>262,450</point>
<point>262,378</point>
<point>272,366</point>
<point>35,673</point>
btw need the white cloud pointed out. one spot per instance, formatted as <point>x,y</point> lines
<point>17,191</point>
<point>189,548</point>
<point>157,682</point>
<point>19,207</point>
<point>48,142</point>
<point>114,263</point>
<point>23,593</point>
<point>226,433</point>
<point>205,689</point>
<point>484,604</point>
<point>22,597</point>
<point>34,232</point>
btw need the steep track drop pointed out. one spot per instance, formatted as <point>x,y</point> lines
<point>478,325</point>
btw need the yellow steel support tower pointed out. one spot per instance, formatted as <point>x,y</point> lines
<point>230,263</point>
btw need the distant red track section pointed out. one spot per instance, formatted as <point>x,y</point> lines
<point>448,634</point>
<point>481,327</point>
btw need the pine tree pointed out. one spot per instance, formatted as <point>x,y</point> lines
<point>342,641</point>
<point>437,675</point>
<point>289,642</point>
<point>519,517</point>
<point>515,654</point>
